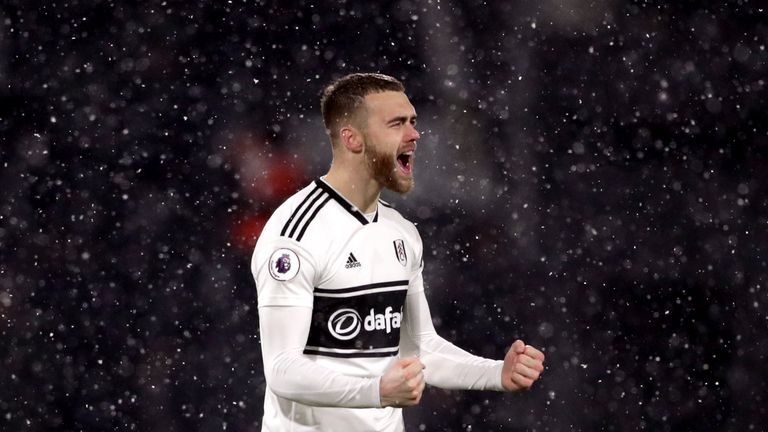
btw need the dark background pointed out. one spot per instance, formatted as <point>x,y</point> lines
<point>591,178</point>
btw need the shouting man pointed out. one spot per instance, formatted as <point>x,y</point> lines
<point>346,333</point>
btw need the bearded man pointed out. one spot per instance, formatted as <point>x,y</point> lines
<point>346,333</point>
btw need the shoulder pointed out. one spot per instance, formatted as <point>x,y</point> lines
<point>406,228</point>
<point>294,216</point>
<point>388,213</point>
<point>286,228</point>
<point>307,220</point>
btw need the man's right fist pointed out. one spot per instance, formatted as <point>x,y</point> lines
<point>402,384</point>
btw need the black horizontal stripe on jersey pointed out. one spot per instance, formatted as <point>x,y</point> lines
<point>351,354</point>
<point>306,199</point>
<point>397,283</point>
<point>346,205</point>
<point>362,322</point>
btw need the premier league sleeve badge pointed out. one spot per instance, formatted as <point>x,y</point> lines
<point>284,264</point>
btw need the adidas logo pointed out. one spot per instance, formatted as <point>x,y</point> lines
<point>352,262</point>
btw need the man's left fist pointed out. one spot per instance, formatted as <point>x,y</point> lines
<point>522,366</point>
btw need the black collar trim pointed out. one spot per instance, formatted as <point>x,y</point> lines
<point>346,205</point>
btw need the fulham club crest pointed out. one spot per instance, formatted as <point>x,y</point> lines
<point>400,251</point>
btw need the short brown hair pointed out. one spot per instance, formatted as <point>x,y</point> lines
<point>344,97</point>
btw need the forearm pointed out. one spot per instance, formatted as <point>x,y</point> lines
<point>450,367</point>
<point>292,375</point>
<point>447,366</point>
<point>295,377</point>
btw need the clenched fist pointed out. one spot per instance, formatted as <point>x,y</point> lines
<point>522,366</point>
<point>402,384</point>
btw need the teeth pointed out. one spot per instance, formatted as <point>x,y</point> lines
<point>408,153</point>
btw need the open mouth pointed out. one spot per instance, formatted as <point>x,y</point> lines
<point>405,161</point>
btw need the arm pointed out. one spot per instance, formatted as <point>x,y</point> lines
<point>285,315</point>
<point>447,366</point>
<point>291,375</point>
<point>450,367</point>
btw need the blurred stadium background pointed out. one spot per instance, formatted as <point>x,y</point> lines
<point>591,178</point>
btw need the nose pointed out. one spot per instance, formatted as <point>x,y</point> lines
<point>413,134</point>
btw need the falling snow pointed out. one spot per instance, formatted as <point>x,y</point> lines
<point>590,179</point>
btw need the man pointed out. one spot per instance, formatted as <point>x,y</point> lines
<point>346,333</point>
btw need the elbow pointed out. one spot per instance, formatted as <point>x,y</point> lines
<point>278,381</point>
<point>283,388</point>
<point>291,391</point>
<point>280,390</point>
<point>284,379</point>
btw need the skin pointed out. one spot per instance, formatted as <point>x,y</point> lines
<point>367,149</point>
<point>365,162</point>
<point>523,365</point>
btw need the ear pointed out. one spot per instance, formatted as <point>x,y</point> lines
<point>351,139</point>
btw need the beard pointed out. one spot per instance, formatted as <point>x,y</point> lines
<point>384,169</point>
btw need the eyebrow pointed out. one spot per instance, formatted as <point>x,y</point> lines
<point>402,119</point>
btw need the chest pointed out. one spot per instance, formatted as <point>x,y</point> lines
<point>373,254</point>
<point>358,302</point>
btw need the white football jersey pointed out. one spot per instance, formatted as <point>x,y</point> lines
<point>319,251</point>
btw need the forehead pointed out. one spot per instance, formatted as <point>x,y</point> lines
<point>389,104</point>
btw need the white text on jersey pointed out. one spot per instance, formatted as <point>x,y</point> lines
<point>386,321</point>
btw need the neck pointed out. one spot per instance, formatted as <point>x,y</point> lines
<point>355,185</point>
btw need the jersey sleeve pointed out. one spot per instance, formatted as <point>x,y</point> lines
<point>417,264</point>
<point>447,366</point>
<point>284,272</point>
<point>291,375</point>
